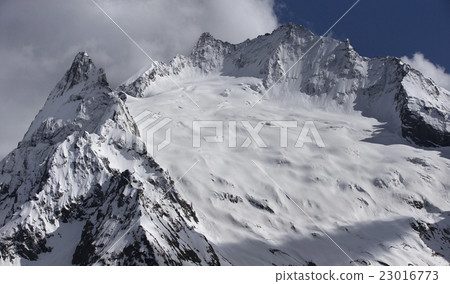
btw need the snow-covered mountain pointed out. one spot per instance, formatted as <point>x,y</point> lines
<point>324,70</point>
<point>82,189</point>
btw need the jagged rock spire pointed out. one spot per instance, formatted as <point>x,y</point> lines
<point>82,71</point>
<point>71,103</point>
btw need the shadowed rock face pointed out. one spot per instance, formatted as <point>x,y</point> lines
<point>417,130</point>
<point>420,115</point>
<point>425,123</point>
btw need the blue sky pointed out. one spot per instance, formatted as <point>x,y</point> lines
<point>379,27</point>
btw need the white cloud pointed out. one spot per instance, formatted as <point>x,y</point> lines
<point>41,38</point>
<point>430,70</point>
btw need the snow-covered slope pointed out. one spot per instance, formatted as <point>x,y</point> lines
<point>81,180</point>
<point>380,197</point>
<point>82,189</point>
<point>368,197</point>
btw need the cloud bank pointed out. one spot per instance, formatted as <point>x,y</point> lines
<point>40,39</point>
<point>430,70</point>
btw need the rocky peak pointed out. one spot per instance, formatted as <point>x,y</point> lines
<point>77,102</point>
<point>291,30</point>
<point>209,53</point>
<point>204,39</point>
<point>82,71</point>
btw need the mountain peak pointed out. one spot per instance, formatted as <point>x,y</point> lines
<point>209,52</point>
<point>290,26</point>
<point>81,71</point>
<point>81,66</point>
<point>75,101</point>
<point>292,31</point>
<point>81,56</point>
<point>206,35</point>
<point>206,39</point>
